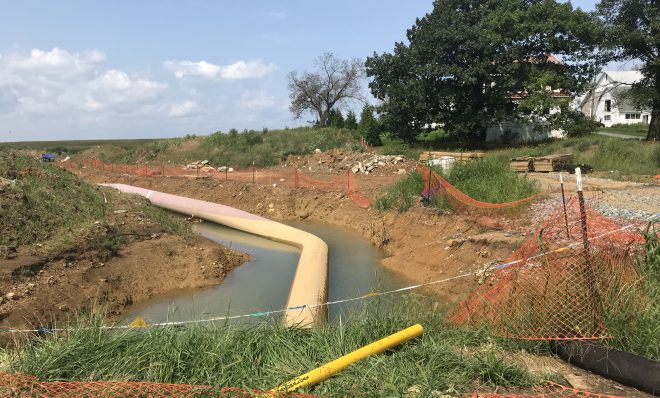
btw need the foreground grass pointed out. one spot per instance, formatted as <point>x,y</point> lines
<point>444,359</point>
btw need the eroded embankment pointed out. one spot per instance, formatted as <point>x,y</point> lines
<point>67,246</point>
<point>422,244</point>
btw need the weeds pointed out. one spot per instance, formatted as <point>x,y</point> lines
<point>265,355</point>
<point>633,319</point>
<point>44,201</point>
<point>403,194</point>
<point>490,180</point>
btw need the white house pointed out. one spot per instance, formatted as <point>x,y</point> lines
<point>601,103</point>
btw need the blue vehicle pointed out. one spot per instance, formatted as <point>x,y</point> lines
<point>48,157</point>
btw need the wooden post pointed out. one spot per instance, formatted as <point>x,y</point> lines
<point>591,278</point>
<point>253,181</point>
<point>226,173</point>
<point>563,200</point>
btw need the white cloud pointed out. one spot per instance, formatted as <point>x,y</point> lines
<point>239,70</point>
<point>58,82</point>
<point>256,101</point>
<point>54,62</point>
<point>185,108</point>
<point>115,87</point>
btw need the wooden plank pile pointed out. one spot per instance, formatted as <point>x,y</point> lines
<point>542,164</point>
<point>522,164</point>
<point>459,156</point>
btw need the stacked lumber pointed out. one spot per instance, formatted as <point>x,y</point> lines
<point>545,164</point>
<point>522,164</point>
<point>459,156</point>
<point>542,164</point>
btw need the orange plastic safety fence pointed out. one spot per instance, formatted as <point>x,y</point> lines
<point>551,390</point>
<point>20,385</point>
<point>487,214</point>
<point>293,178</point>
<point>558,283</point>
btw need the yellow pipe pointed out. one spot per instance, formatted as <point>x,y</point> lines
<point>332,368</point>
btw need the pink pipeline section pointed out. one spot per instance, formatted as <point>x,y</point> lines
<point>309,289</point>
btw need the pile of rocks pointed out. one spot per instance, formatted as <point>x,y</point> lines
<point>201,165</point>
<point>369,165</point>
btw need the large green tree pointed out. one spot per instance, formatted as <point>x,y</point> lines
<point>469,63</point>
<point>633,33</point>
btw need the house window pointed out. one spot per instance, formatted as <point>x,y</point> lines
<point>630,116</point>
<point>607,118</point>
<point>608,105</point>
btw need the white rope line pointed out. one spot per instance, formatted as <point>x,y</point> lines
<point>303,306</point>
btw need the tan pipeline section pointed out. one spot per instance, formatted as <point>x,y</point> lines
<point>309,289</point>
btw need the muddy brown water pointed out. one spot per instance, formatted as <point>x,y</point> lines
<point>262,284</point>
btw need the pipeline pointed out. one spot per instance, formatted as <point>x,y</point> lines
<point>626,368</point>
<point>309,289</point>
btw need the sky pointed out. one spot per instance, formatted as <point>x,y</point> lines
<point>80,69</point>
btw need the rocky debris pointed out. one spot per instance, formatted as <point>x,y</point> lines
<point>201,165</point>
<point>340,161</point>
<point>225,169</point>
<point>375,161</point>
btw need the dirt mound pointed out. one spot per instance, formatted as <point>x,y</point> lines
<point>340,161</point>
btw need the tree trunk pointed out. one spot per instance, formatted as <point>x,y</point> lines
<point>654,125</point>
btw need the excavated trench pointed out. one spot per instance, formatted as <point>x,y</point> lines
<point>263,283</point>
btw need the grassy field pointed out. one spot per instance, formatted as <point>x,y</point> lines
<point>638,129</point>
<point>73,146</point>
<point>623,159</point>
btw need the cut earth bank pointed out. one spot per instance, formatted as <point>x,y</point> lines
<point>42,286</point>
<point>422,244</point>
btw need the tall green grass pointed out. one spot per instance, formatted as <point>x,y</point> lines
<point>403,194</point>
<point>444,359</point>
<point>623,157</point>
<point>268,148</point>
<point>490,180</point>
<point>633,318</point>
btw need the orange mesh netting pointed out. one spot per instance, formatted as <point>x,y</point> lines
<point>551,390</point>
<point>557,284</point>
<point>20,385</point>
<point>291,177</point>
<point>487,214</point>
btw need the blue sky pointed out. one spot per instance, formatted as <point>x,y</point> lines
<point>129,69</point>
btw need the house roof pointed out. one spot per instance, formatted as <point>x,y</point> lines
<point>624,77</point>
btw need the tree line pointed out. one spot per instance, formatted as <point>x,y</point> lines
<point>470,63</point>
